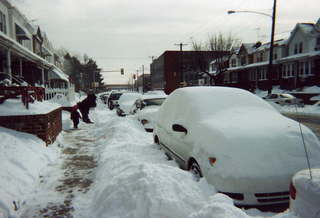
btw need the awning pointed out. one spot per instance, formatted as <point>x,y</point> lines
<point>56,73</point>
<point>21,34</point>
<point>46,52</point>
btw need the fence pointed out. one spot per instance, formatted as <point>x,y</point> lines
<point>28,93</point>
<point>69,92</point>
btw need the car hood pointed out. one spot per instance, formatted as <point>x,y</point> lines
<point>126,106</point>
<point>259,145</point>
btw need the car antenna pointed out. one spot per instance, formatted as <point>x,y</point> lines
<point>304,144</point>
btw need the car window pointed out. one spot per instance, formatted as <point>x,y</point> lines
<point>156,101</point>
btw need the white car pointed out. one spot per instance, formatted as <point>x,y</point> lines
<point>236,140</point>
<point>283,99</point>
<point>146,109</point>
<point>126,103</point>
<point>305,194</point>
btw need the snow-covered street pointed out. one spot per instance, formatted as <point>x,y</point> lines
<point>112,168</point>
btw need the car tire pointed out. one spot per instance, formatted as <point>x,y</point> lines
<point>195,170</point>
<point>111,106</point>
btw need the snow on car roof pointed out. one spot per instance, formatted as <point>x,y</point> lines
<point>211,100</point>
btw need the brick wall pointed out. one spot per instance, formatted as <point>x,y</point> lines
<point>45,126</point>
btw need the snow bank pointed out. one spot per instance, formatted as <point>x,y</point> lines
<point>12,107</point>
<point>22,158</point>
<point>219,206</point>
<point>134,178</point>
<point>307,199</point>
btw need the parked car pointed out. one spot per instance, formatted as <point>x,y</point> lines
<point>126,103</point>
<point>305,194</point>
<point>146,109</point>
<point>236,140</point>
<point>113,99</point>
<point>104,97</point>
<point>283,99</point>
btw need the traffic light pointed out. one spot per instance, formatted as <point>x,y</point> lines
<point>122,71</point>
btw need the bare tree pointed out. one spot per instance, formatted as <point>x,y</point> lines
<point>223,47</point>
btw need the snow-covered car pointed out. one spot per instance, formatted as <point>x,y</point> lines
<point>126,103</point>
<point>305,194</point>
<point>104,97</point>
<point>113,99</point>
<point>283,99</point>
<point>146,109</point>
<point>236,140</point>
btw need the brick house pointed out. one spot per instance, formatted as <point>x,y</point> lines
<point>166,69</point>
<point>296,61</point>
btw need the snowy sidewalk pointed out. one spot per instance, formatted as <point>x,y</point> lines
<point>67,179</point>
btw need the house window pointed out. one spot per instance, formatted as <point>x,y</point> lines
<point>3,23</point>
<point>301,68</point>
<point>263,74</point>
<point>233,62</point>
<point>243,60</point>
<point>306,68</point>
<point>284,71</point>
<point>300,47</point>
<point>318,41</point>
<point>275,56</point>
<point>296,48</point>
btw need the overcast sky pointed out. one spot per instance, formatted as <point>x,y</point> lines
<point>126,33</point>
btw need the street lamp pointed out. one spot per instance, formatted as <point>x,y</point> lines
<point>273,16</point>
<point>253,12</point>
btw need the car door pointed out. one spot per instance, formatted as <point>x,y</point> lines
<point>179,144</point>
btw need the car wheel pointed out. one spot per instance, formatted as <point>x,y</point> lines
<point>110,106</point>
<point>195,170</point>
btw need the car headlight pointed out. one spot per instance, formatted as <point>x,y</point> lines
<point>144,121</point>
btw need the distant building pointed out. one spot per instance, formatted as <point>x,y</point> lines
<point>166,69</point>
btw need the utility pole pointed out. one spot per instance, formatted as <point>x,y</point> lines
<point>181,62</point>
<point>142,79</point>
<point>271,47</point>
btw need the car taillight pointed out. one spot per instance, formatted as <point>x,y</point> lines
<point>293,191</point>
<point>144,121</point>
<point>212,160</point>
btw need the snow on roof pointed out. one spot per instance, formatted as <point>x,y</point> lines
<point>14,107</point>
<point>58,74</point>
<point>299,56</point>
<point>249,47</point>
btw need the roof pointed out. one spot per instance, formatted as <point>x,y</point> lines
<point>56,73</point>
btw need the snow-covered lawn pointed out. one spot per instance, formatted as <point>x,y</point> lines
<point>132,177</point>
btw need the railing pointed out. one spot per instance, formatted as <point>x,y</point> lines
<point>27,93</point>
<point>68,92</point>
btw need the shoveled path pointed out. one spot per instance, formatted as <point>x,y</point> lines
<point>74,177</point>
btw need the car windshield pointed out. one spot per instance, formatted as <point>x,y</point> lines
<point>116,96</point>
<point>156,101</point>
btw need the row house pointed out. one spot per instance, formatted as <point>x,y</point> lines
<point>296,61</point>
<point>26,52</point>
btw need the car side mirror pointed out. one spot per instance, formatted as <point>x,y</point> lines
<point>179,128</point>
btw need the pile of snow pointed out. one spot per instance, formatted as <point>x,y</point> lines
<point>22,158</point>
<point>12,107</point>
<point>307,199</point>
<point>62,100</point>
<point>127,100</point>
